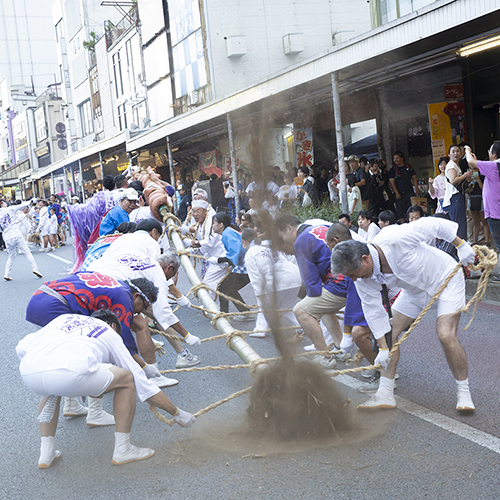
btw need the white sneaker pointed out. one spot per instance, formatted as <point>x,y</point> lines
<point>258,335</point>
<point>157,343</point>
<point>46,460</point>
<point>96,416</point>
<point>162,381</point>
<point>368,374</point>
<point>464,400</point>
<point>327,363</point>
<point>309,348</point>
<point>379,402</point>
<point>243,317</point>
<point>187,359</point>
<point>51,249</point>
<point>127,453</point>
<point>73,408</point>
<point>48,453</point>
<point>341,356</point>
<point>42,250</point>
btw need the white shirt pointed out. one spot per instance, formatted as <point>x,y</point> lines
<point>450,188</point>
<point>414,264</point>
<point>141,213</point>
<point>53,224</point>
<point>125,265</point>
<point>139,242</point>
<point>80,344</point>
<point>270,270</point>
<point>23,223</point>
<point>373,230</point>
<point>8,220</point>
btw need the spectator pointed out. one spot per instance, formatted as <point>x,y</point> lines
<point>217,192</point>
<point>120,181</point>
<point>246,221</point>
<point>491,188</point>
<point>287,194</point>
<point>308,192</point>
<point>346,220</point>
<point>475,192</point>
<point>386,218</point>
<point>278,176</point>
<point>361,179</point>
<point>377,186</point>
<point>437,186</point>
<point>414,213</point>
<point>322,184</point>
<point>184,203</point>
<point>454,198</point>
<point>367,228</point>
<point>404,183</point>
<point>353,195</point>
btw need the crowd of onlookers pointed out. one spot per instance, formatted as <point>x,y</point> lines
<point>374,189</point>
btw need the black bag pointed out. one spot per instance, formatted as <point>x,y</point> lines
<point>475,202</point>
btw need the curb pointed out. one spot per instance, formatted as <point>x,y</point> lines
<point>492,295</point>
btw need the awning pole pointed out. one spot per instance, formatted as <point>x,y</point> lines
<point>172,174</point>
<point>82,185</point>
<point>102,170</point>
<point>340,142</point>
<point>233,165</point>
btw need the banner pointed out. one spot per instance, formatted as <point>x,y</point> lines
<point>304,153</point>
<point>441,136</point>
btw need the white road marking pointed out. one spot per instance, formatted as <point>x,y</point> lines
<point>60,258</point>
<point>458,428</point>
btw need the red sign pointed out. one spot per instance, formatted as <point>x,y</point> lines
<point>453,92</point>
<point>455,109</point>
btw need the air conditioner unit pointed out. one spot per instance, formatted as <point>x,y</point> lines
<point>193,98</point>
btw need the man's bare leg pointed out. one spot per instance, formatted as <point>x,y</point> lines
<point>446,327</point>
<point>384,397</point>
<point>333,326</point>
<point>144,343</point>
<point>362,337</point>
<point>311,328</point>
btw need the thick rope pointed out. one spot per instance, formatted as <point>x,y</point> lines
<point>487,261</point>
<point>171,422</point>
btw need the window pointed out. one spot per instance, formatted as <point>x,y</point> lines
<point>388,10</point>
<point>117,69</point>
<point>122,117</point>
<point>85,112</point>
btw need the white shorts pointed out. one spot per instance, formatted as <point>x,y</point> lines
<point>451,300</point>
<point>63,382</point>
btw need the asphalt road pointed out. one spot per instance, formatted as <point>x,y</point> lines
<point>421,450</point>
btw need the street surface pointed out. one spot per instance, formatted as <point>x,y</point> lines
<point>421,450</point>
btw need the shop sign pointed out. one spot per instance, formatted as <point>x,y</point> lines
<point>453,92</point>
<point>42,151</point>
<point>304,152</point>
<point>455,109</point>
<point>20,131</point>
<point>41,129</point>
<point>441,136</point>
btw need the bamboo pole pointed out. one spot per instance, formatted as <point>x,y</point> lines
<point>237,343</point>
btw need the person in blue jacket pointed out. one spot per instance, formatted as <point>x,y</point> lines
<point>325,292</point>
<point>235,257</point>
<point>120,213</point>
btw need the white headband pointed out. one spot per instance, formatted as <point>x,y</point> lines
<point>199,204</point>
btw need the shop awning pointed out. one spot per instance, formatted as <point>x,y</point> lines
<point>100,146</point>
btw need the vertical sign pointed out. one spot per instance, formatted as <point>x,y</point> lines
<point>441,136</point>
<point>304,153</point>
